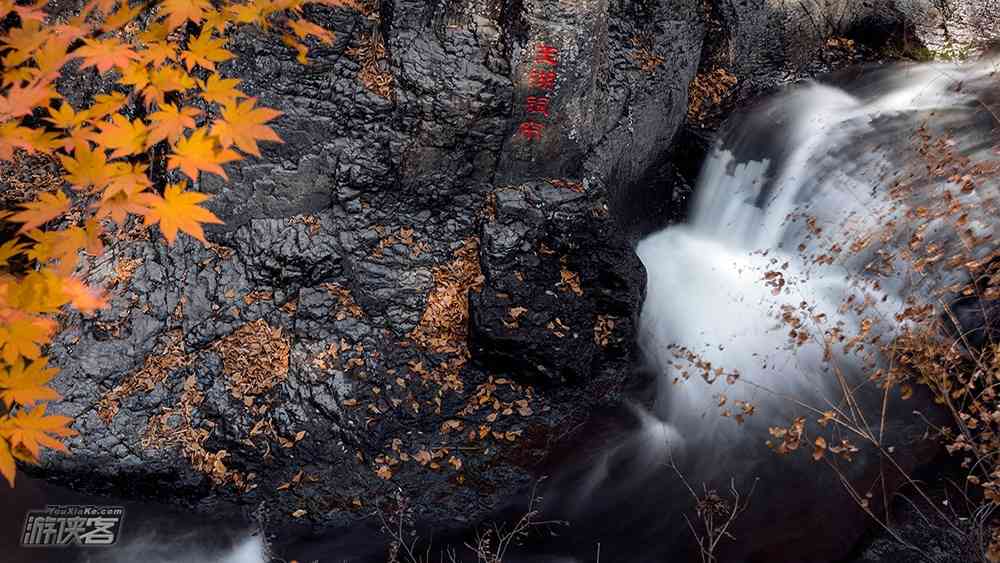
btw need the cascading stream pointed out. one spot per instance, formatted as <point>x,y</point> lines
<point>713,283</point>
<point>812,228</point>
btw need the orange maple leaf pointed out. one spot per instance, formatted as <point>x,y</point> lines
<point>22,100</point>
<point>200,152</point>
<point>23,42</point>
<point>251,12</point>
<point>304,29</point>
<point>87,167</point>
<point>120,196</point>
<point>159,52</point>
<point>81,297</point>
<point>170,122</point>
<point>106,104</point>
<point>94,244</point>
<point>243,125</point>
<point>180,11</point>
<point>120,202</point>
<point>165,79</point>
<point>47,207</point>
<point>179,210</point>
<point>19,75</point>
<point>123,15</point>
<point>205,51</point>
<point>53,56</point>
<point>65,117</point>
<point>22,337</point>
<point>216,20</point>
<point>135,75</point>
<point>13,136</point>
<point>122,135</point>
<point>10,249</point>
<point>61,247</point>
<point>32,429</point>
<point>7,466</point>
<point>39,291</point>
<point>106,54</point>
<point>301,49</point>
<point>220,90</point>
<point>26,383</point>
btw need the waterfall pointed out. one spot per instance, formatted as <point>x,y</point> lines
<point>781,198</point>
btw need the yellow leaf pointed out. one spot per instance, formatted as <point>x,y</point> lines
<point>179,11</point>
<point>304,29</point>
<point>135,75</point>
<point>215,20</point>
<point>170,122</point>
<point>10,249</point>
<point>200,152</point>
<point>26,384</point>
<point>106,104</point>
<point>220,90</point>
<point>32,430</point>
<point>163,80</point>
<point>179,210</point>
<point>61,246</point>
<point>87,167</point>
<point>243,124</point>
<point>12,137</point>
<point>82,297</point>
<point>39,291</point>
<point>23,100</point>
<point>7,466</point>
<point>302,50</point>
<point>123,15</point>
<point>251,12</point>
<point>105,54</point>
<point>65,117</point>
<point>93,230</point>
<point>18,75</point>
<point>47,207</point>
<point>125,137</point>
<point>122,196</point>
<point>22,337</point>
<point>50,59</point>
<point>158,52</point>
<point>204,51</point>
<point>23,42</point>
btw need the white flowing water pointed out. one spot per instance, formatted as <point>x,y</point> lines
<point>818,176</point>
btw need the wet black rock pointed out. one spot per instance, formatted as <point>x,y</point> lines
<point>562,288</point>
<point>397,139</point>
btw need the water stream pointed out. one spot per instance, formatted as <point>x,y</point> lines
<point>809,220</point>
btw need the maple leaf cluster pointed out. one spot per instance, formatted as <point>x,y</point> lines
<point>166,102</point>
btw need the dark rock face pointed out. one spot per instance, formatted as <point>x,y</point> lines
<point>552,251</point>
<point>317,346</point>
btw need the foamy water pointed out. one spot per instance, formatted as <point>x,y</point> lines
<point>713,284</point>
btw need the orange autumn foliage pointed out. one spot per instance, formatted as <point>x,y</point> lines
<point>167,95</point>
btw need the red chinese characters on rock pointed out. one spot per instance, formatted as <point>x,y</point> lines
<point>546,55</point>
<point>541,77</point>
<point>537,104</point>
<point>530,130</point>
